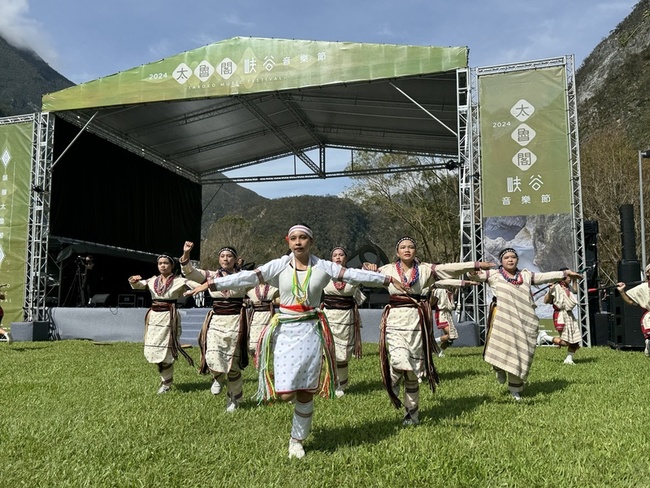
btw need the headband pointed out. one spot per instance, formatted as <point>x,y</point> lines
<point>647,268</point>
<point>405,238</point>
<point>231,250</point>
<point>301,228</point>
<point>166,256</point>
<point>507,249</point>
<point>341,248</point>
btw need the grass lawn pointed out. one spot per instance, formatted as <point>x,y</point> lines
<point>74,413</point>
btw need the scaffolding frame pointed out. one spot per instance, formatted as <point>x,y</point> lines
<point>471,223</point>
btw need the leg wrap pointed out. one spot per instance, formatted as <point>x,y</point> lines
<point>411,392</point>
<point>343,375</point>
<point>302,416</point>
<point>515,383</point>
<point>235,385</point>
<point>166,371</point>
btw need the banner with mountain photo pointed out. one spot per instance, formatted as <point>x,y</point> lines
<point>526,188</point>
<point>15,180</point>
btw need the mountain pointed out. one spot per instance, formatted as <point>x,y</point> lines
<point>25,78</point>
<point>612,82</point>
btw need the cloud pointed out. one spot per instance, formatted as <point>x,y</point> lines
<point>234,19</point>
<point>22,32</point>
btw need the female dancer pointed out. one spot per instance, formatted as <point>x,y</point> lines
<point>640,296</point>
<point>162,325</point>
<point>298,337</point>
<point>223,339</point>
<point>562,296</point>
<point>262,308</point>
<point>406,341</point>
<point>512,324</point>
<point>341,307</point>
<point>442,302</point>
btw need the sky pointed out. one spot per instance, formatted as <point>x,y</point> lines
<point>84,40</point>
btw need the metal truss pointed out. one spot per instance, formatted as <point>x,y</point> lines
<point>471,216</point>
<point>471,221</point>
<point>39,212</point>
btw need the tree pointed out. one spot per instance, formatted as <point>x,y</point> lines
<point>423,204</point>
<point>610,179</point>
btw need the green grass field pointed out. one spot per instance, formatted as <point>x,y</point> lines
<point>74,413</point>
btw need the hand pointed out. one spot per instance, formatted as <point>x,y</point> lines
<point>188,246</point>
<point>573,275</point>
<point>620,286</point>
<point>485,265</point>
<point>370,266</point>
<point>135,278</point>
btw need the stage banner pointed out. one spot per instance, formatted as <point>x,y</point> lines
<point>525,160</point>
<point>526,188</point>
<point>16,157</point>
<point>245,65</point>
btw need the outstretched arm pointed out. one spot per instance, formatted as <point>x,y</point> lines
<point>620,286</point>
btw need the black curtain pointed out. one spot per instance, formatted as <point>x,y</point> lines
<point>102,193</point>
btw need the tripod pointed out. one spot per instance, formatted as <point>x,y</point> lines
<point>77,289</point>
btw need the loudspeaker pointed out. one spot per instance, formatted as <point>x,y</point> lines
<point>625,329</point>
<point>99,300</point>
<point>127,300</point>
<point>600,328</point>
<point>30,331</point>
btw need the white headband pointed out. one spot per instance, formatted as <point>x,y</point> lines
<point>301,228</point>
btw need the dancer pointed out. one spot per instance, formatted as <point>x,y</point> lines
<point>512,323</point>
<point>162,324</point>
<point>298,338</point>
<point>223,339</point>
<point>341,307</point>
<point>640,296</point>
<point>406,340</point>
<point>562,296</point>
<point>261,309</point>
<point>443,304</point>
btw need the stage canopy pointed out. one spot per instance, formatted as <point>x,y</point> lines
<point>244,101</point>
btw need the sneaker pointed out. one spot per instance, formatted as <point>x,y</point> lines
<point>441,354</point>
<point>295,449</point>
<point>231,405</point>
<point>516,395</point>
<point>215,389</point>
<point>543,338</point>
<point>164,389</point>
<point>568,360</point>
<point>647,347</point>
<point>10,339</point>
<point>411,418</point>
<point>501,376</point>
<point>339,393</point>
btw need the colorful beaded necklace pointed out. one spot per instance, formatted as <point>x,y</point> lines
<point>339,285</point>
<point>161,284</point>
<point>415,273</point>
<point>299,291</point>
<point>516,280</point>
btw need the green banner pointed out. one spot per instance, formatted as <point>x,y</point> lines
<point>525,157</point>
<point>244,65</point>
<point>16,158</point>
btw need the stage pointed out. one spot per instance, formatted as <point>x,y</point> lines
<point>125,324</point>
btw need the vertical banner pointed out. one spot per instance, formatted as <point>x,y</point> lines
<point>526,188</point>
<point>15,175</point>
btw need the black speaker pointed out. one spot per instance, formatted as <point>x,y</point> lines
<point>126,300</point>
<point>99,300</point>
<point>600,328</point>
<point>625,327</point>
